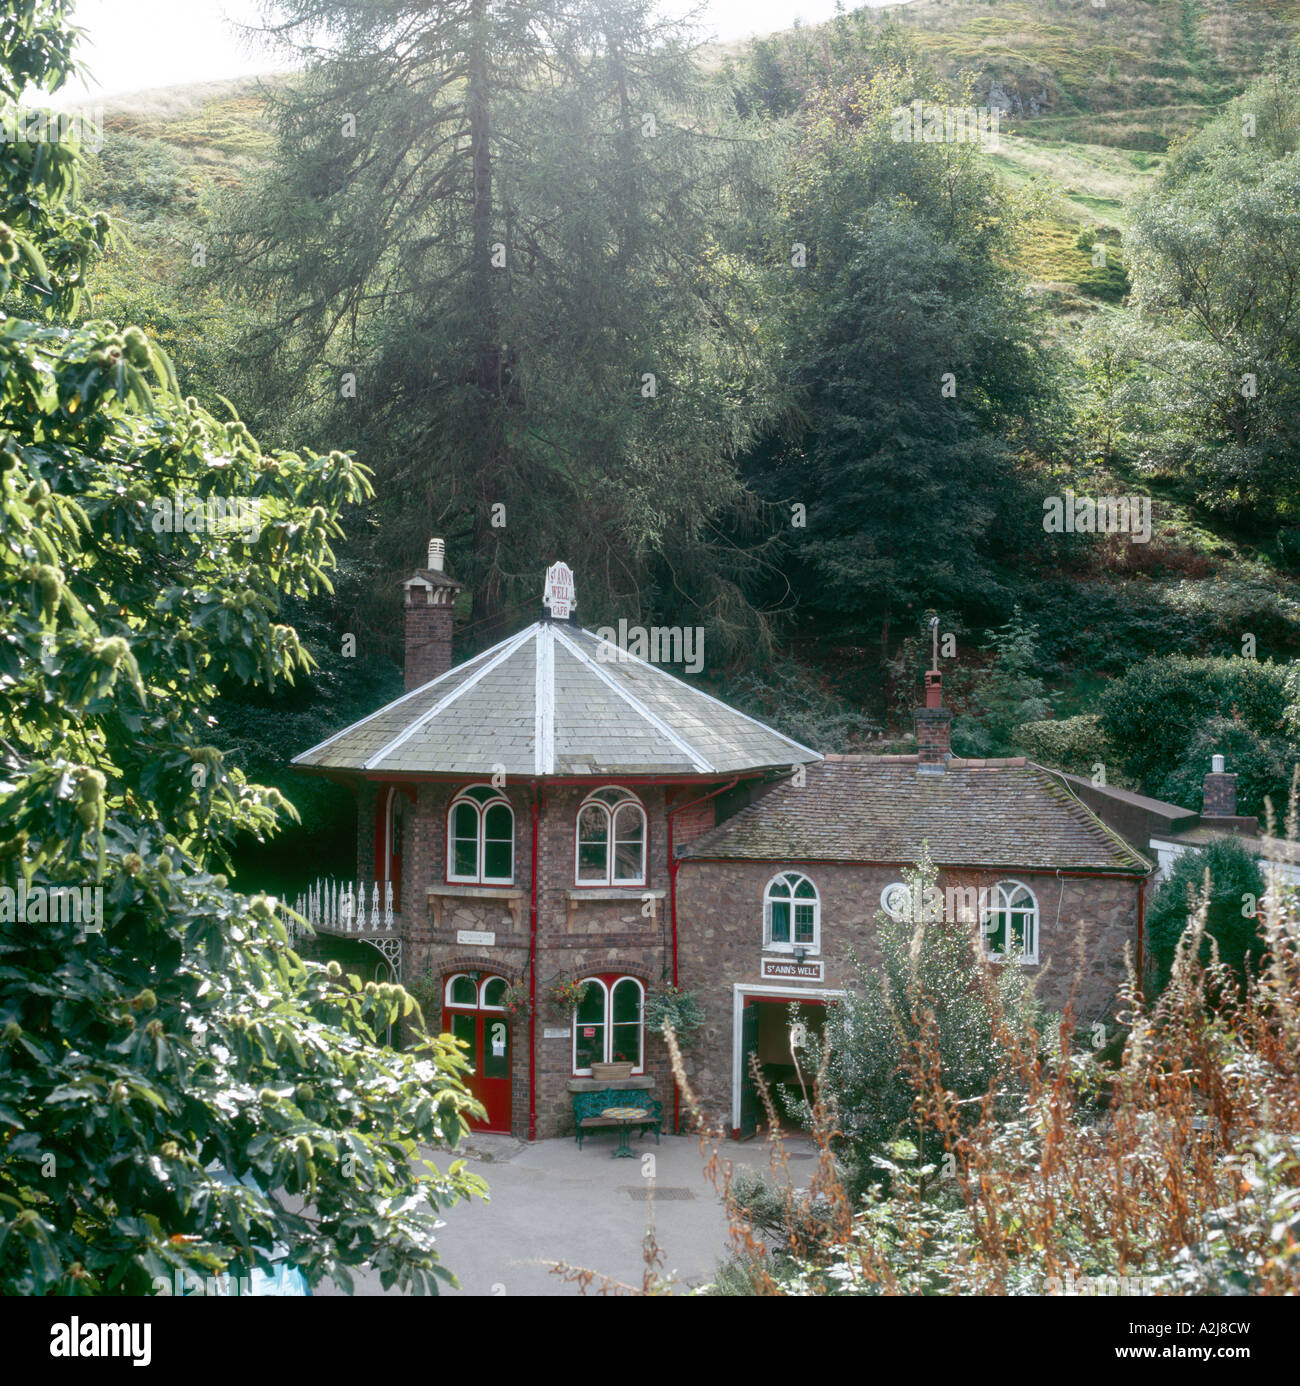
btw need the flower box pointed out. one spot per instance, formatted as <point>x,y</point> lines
<point>606,1073</point>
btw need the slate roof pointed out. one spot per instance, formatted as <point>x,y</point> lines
<point>995,813</point>
<point>543,703</point>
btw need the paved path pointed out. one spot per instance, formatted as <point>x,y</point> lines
<point>551,1201</point>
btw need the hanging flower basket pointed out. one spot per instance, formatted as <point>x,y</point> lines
<point>566,996</point>
<point>516,1002</point>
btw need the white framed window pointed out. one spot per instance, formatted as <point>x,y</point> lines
<point>610,842</point>
<point>609,1025</point>
<point>465,991</point>
<point>481,837</point>
<point>791,914</point>
<point>462,990</point>
<point>1009,922</point>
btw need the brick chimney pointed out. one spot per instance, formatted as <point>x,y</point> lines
<point>430,599</point>
<point>933,728</point>
<point>1220,792</point>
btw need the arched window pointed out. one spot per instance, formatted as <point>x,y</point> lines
<point>609,1025</point>
<point>611,839</point>
<point>1009,919</point>
<point>481,837</point>
<point>791,914</point>
<point>462,990</point>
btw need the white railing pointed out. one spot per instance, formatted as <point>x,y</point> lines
<point>339,907</point>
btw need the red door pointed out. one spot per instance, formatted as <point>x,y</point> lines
<point>472,1013</point>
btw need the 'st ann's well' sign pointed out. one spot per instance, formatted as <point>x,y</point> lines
<point>782,969</point>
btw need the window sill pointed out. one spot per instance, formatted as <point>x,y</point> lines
<point>510,897</point>
<point>635,1083</point>
<point>626,892</point>
<point>477,891</point>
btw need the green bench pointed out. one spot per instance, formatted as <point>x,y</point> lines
<point>588,1106</point>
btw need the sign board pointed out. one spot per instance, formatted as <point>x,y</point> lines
<point>478,936</point>
<point>781,970</point>
<point>558,597</point>
<point>589,1032</point>
<point>548,1033</point>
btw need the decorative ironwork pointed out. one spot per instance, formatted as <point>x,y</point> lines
<point>339,907</point>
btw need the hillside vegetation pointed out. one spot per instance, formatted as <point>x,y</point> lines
<point>1098,99</point>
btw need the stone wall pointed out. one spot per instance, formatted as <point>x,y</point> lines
<point>1084,926</point>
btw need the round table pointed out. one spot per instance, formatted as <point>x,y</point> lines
<point>625,1116</point>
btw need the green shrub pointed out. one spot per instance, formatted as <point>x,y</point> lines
<point>1159,710</point>
<point>881,1024</point>
<point>1075,744</point>
<point>1236,884</point>
<point>1006,694</point>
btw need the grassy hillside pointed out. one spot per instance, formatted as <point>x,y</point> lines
<point>1125,72</point>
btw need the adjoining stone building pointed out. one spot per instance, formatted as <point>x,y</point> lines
<point>554,809</point>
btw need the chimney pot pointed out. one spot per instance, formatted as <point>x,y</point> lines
<point>437,554</point>
<point>1217,765</point>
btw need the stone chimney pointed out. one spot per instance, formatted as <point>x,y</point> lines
<point>430,600</point>
<point>933,728</point>
<point>1220,792</point>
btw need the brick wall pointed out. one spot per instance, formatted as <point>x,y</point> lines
<point>1220,795</point>
<point>692,819</point>
<point>933,734</point>
<point>1083,928</point>
<point>579,934</point>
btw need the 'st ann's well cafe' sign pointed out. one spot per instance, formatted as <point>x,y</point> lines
<point>558,597</point>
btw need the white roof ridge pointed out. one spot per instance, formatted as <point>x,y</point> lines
<point>700,763</point>
<point>544,702</point>
<point>505,650</point>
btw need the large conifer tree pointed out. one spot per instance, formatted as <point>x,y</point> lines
<point>506,221</point>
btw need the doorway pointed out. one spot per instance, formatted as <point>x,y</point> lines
<point>472,1012</point>
<point>763,1030</point>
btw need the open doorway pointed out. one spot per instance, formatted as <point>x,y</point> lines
<point>767,1029</point>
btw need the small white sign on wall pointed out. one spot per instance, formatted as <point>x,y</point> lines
<point>483,939</point>
<point>778,969</point>
<point>555,1034</point>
